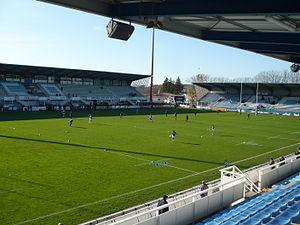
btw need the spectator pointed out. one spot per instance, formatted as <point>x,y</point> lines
<point>203,187</point>
<point>282,159</point>
<point>297,153</point>
<point>271,162</point>
<point>163,202</point>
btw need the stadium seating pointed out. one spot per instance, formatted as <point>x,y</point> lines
<point>36,94</point>
<point>14,89</point>
<point>2,92</point>
<point>278,206</point>
<point>85,91</point>
<point>232,101</point>
<point>51,89</point>
<point>289,101</point>
<point>210,98</point>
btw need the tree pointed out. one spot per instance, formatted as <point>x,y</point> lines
<point>178,86</point>
<point>191,93</point>
<point>167,86</point>
<point>199,78</point>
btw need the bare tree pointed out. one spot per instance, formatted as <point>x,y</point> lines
<point>199,78</point>
<point>294,77</point>
<point>277,77</point>
<point>262,77</point>
<point>191,93</point>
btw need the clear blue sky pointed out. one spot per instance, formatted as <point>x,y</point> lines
<point>41,34</point>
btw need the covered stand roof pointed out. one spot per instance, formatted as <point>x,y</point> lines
<point>29,71</point>
<point>214,86</point>
<point>268,27</point>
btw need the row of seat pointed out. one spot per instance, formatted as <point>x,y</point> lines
<point>293,178</point>
<point>279,206</point>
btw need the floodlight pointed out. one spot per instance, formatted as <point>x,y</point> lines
<point>295,68</point>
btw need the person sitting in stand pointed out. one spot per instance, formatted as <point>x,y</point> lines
<point>271,162</point>
<point>282,159</point>
<point>297,153</point>
<point>203,187</point>
<point>163,202</point>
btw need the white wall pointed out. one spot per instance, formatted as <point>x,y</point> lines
<point>193,207</point>
<point>274,173</point>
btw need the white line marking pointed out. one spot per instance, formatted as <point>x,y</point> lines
<point>290,139</point>
<point>13,190</point>
<point>273,137</point>
<point>149,187</point>
<point>111,151</point>
<point>175,167</point>
<point>147,163</point>
<point>278,137</point>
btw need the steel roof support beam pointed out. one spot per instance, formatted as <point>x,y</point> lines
<point>272,48</point>
<point>252,37</point>
<point>206,7</point>
<point>294,59</point>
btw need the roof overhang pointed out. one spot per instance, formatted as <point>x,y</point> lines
<point>268,27</point>
<point>31,71</point>
<point>211,86</point>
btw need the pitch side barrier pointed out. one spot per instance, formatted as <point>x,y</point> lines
<point>188,206</point>
<point>272,174</point>
<point>266,175</point>
<point>187,209</point>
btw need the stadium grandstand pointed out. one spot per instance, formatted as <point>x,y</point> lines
<point>238,197</point>
<point>39,88</point>
<point>264,97</point>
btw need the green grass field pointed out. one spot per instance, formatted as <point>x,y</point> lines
<point>55,173</point>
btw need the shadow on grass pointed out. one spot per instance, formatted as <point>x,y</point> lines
<point>188,143</point>
<point>19,115</point>
<point>113,150</point>
<point>31,183</point>
<point>81,127</point>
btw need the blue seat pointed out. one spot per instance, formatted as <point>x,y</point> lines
<point>263,216</point>
<point>257,207</point>
<point>240,218</point>
<point>279,220</point>
<point>290,213</point>
<point>296,206</point>
<point>206,221</point>
<point>251,221</point>
<point>280,205</point>
<point>219,220</point>
<point>296,219</point>
<point>210,223</point>
<point>229,223</point>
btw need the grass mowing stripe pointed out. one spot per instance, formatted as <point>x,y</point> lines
<point>117,196</point>
<point>111,151</point>
<point>149,187</point>
<point>13,190</point>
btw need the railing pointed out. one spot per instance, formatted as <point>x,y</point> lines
<point>193,205</point>
<point>271,174</point>
<point>249,184</point>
